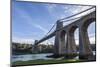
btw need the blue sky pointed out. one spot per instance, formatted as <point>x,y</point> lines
<point>31,21</point>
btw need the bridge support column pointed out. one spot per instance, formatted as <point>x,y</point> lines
<point>71,46</point>
<point>59,46</point>
<point>85,51</point>
<point>35,47</point>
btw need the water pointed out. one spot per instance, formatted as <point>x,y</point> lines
<point>30,57</point>
<point>34,57</point>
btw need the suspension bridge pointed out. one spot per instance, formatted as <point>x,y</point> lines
<point>64,43</point>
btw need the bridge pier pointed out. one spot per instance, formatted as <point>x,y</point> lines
<point>35,47</point>
<point>71,46</point>
<point>85,51</point>
<point>59,46</point>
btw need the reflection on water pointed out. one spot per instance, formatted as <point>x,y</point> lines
<point>34,57</point>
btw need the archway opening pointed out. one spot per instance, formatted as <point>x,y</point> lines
<point>73,32</point>
<point>87,23</point>
<point>91,34</point>
<point>71,37</point>
<point>76,35</point>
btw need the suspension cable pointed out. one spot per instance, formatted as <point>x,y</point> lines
<point>50,29</point>
<point>77,13</point>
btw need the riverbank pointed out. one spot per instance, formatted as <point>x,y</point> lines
<point>42,62</point>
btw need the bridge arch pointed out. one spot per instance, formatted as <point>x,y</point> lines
<point>71,45</point>
<point>85,50</point>
<point>87,23</point>
<point>72,29</point>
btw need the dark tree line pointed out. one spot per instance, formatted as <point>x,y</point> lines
<point>18,48</point>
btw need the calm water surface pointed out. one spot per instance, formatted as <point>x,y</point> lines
<point>30,57</point>
<point>34,57</point>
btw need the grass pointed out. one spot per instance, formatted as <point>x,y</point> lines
<point>53,61</point>
<point>41,62</point>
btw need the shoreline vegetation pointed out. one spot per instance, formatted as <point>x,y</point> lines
<point>21,49</point>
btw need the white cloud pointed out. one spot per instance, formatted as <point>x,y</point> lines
<point>41,28</point>
<point>74,9</point>
<point>80,8</point>
<point>71,10</point>
<point>51,9</point>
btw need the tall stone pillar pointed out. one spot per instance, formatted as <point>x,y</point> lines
<point>71,46</point>
<point>62,45</point>
<point>35,46</point>
<point>85,51</point>
<point>58,46</point>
